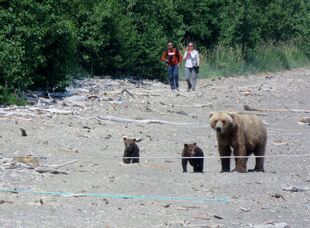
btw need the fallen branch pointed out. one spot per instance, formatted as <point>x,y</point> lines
<point>125,120</point>
<point>58,166</point>
<point>179,93</point>
<point>4,113</point>
<point>192,105</point>
<point>30,162</point>
<point>57,111</point>
<point>304,120</point>
<point>131,93</point>
<point>52,171</point>
<point>126,91</point>
<point>178,112</point>
<point>254,113</point>
<point>248,108</point>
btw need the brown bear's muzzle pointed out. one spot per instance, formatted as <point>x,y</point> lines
<point>219,127</point>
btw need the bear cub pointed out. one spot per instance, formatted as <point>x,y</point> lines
<point>192,150</point>
<point>131,153</point>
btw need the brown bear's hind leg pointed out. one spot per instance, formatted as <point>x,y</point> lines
<point>136,156</point>
<point>259,165</point>
<point>198,165</point>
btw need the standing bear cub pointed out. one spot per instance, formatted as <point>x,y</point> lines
<point>131,153</point>
<point>246,134</point>
<point>192,150</point>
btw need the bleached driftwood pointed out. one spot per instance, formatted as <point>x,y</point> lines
<point>30,162</point>
<point>9,113</point>
<point>146,93</point>
<point>147,121</point>
<point>184,105</point>
<point>126,91</point>
<point>179,93</point>
<point>58,166</point>
<point>23,111</point>
<point>52,110</point>
<point>248,108</point>
<point>304,120</point>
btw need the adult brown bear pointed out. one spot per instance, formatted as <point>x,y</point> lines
<point>246,134</point>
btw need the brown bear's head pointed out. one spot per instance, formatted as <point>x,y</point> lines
<point>129,143</point>
<point>222,121</point>
<point>189,149</point>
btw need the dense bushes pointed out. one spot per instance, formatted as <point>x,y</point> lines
<point>42,41</point>
<point>37,46</point>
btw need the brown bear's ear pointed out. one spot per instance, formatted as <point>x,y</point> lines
<point>195,144</point>
<point>232,114</point>
<point>211,114</point>
<point>124,138</point>
<point>185,145</point>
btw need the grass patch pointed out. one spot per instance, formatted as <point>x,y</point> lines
<point>9,98</point>
<point>268,57</point>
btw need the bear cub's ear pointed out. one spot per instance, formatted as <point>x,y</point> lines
<point>124,138</point>
<point>185,145</point>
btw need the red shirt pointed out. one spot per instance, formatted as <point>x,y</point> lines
<point>173,56</point>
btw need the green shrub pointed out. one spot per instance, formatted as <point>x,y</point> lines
<point>8,97</point>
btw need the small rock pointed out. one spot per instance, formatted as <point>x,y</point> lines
<point>108,136</point>
<point>217,217</point>
<point>277,196</point>
<point>244,209</point>
<point>23,132</point>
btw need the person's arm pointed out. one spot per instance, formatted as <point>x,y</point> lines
<point>180,57</point>
<point>198,59</point>
<point>185,55</point>
<point>164,57</point>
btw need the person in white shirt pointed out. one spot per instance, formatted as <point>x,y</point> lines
<point>191,57</point>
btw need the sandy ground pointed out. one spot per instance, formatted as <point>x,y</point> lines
<point>209,199</point>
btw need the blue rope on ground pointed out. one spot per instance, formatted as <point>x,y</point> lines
<point>223,199</point>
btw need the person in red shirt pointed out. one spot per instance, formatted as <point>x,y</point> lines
<point>172,57</point>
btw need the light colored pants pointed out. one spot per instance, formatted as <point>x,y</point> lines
<point>191,76</point>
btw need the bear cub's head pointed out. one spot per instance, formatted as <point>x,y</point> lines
<point>222,122</point>
<point>189,149</point>
<point>129,143</point>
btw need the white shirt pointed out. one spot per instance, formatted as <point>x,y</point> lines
<point>193,60</point>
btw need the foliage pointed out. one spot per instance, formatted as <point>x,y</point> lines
<point>42,43</point>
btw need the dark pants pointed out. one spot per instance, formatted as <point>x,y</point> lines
<point>173,76</point>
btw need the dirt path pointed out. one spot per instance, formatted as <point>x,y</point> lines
<point>87,129</point>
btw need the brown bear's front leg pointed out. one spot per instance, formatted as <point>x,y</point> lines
<point>184,165</point>
<point>240,162</point>
<point>224,152</point>
<point>126,160</point>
